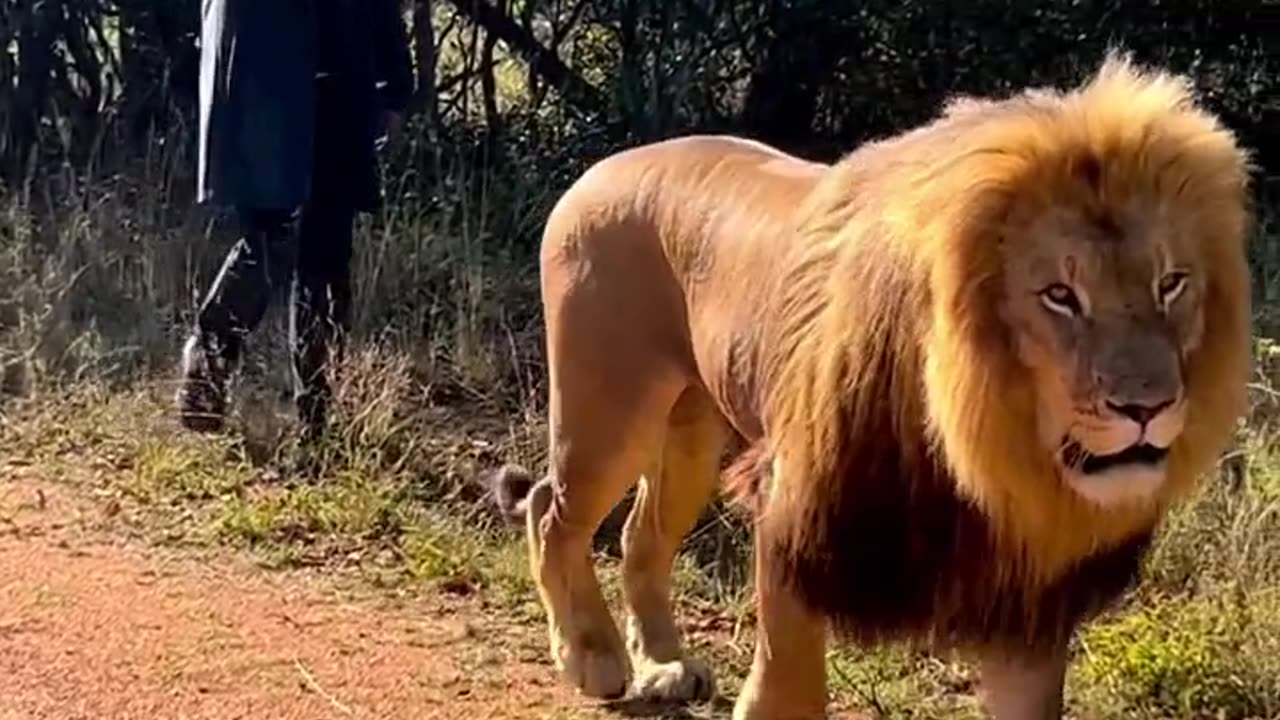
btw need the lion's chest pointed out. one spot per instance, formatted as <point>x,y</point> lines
<point>899,563</point>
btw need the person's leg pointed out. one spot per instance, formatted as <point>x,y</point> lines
<point>233,307</point>
<point>320,309</point>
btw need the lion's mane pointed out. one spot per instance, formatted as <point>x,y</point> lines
<point>900,483</point>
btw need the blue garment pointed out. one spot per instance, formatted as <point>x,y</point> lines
<point>292,94</point>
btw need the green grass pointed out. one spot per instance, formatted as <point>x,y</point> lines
<point>1187,656</point>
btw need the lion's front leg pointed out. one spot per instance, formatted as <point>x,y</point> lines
<point>1024,688</point>
<point>788,678</point>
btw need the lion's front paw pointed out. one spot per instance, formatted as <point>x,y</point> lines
<point>596,672</point>
<point>764,711</point>
<point>677,681</point>
<point>758,702</point>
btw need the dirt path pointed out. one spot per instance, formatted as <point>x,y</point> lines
<point>95,626</point>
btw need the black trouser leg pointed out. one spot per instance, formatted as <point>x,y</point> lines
<point>261,261</point>
<point>233,306</point>
<point>320,308</point>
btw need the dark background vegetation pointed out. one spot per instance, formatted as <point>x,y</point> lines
<point>545,86</point>
<point>80,79</point>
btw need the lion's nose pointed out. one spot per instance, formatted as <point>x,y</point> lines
<point>1139,412</point>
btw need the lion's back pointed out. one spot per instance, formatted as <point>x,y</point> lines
<point>691,230</point>
<point>646,184</point>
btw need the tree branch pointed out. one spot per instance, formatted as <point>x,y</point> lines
<point>576,91</point>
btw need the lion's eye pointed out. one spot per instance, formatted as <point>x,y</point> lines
<point>1061,299</point>
<point>1171,286</point>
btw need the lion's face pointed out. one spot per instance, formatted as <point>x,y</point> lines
<point>1104,309</point>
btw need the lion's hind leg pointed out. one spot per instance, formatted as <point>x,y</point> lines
<point>669,500</point>
<point>598,452</point>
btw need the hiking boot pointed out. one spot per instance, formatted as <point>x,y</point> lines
<point>202,396</point>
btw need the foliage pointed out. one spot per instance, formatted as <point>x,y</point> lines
<point>1202,657</point>
<point>76,73</point>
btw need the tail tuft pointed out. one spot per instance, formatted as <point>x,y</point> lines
<point>748,477</point>
<point>510,486</point>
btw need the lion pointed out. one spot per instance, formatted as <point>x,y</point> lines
<point>974,365</point>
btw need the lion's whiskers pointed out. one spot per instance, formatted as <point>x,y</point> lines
<point>1074,456</point>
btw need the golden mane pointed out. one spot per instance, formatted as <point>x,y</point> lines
<point>885,355</point>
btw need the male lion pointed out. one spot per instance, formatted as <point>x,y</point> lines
<point>975,362</point>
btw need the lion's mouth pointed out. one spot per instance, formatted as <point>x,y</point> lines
<point>1145,454</point>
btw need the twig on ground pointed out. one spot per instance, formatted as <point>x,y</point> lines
<point>311,683</point>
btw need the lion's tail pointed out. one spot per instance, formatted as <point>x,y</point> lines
<point>510,486</point>
<point>746,481</point>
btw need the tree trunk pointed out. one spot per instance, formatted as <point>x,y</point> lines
<point>489,83</point>
<point>782,98</point>
<point>630,79</point>
<point>425,96</point>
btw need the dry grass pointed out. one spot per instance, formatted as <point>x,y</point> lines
<point>98,281</point>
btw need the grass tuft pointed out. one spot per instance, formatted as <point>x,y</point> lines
<point>1210,656</point>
